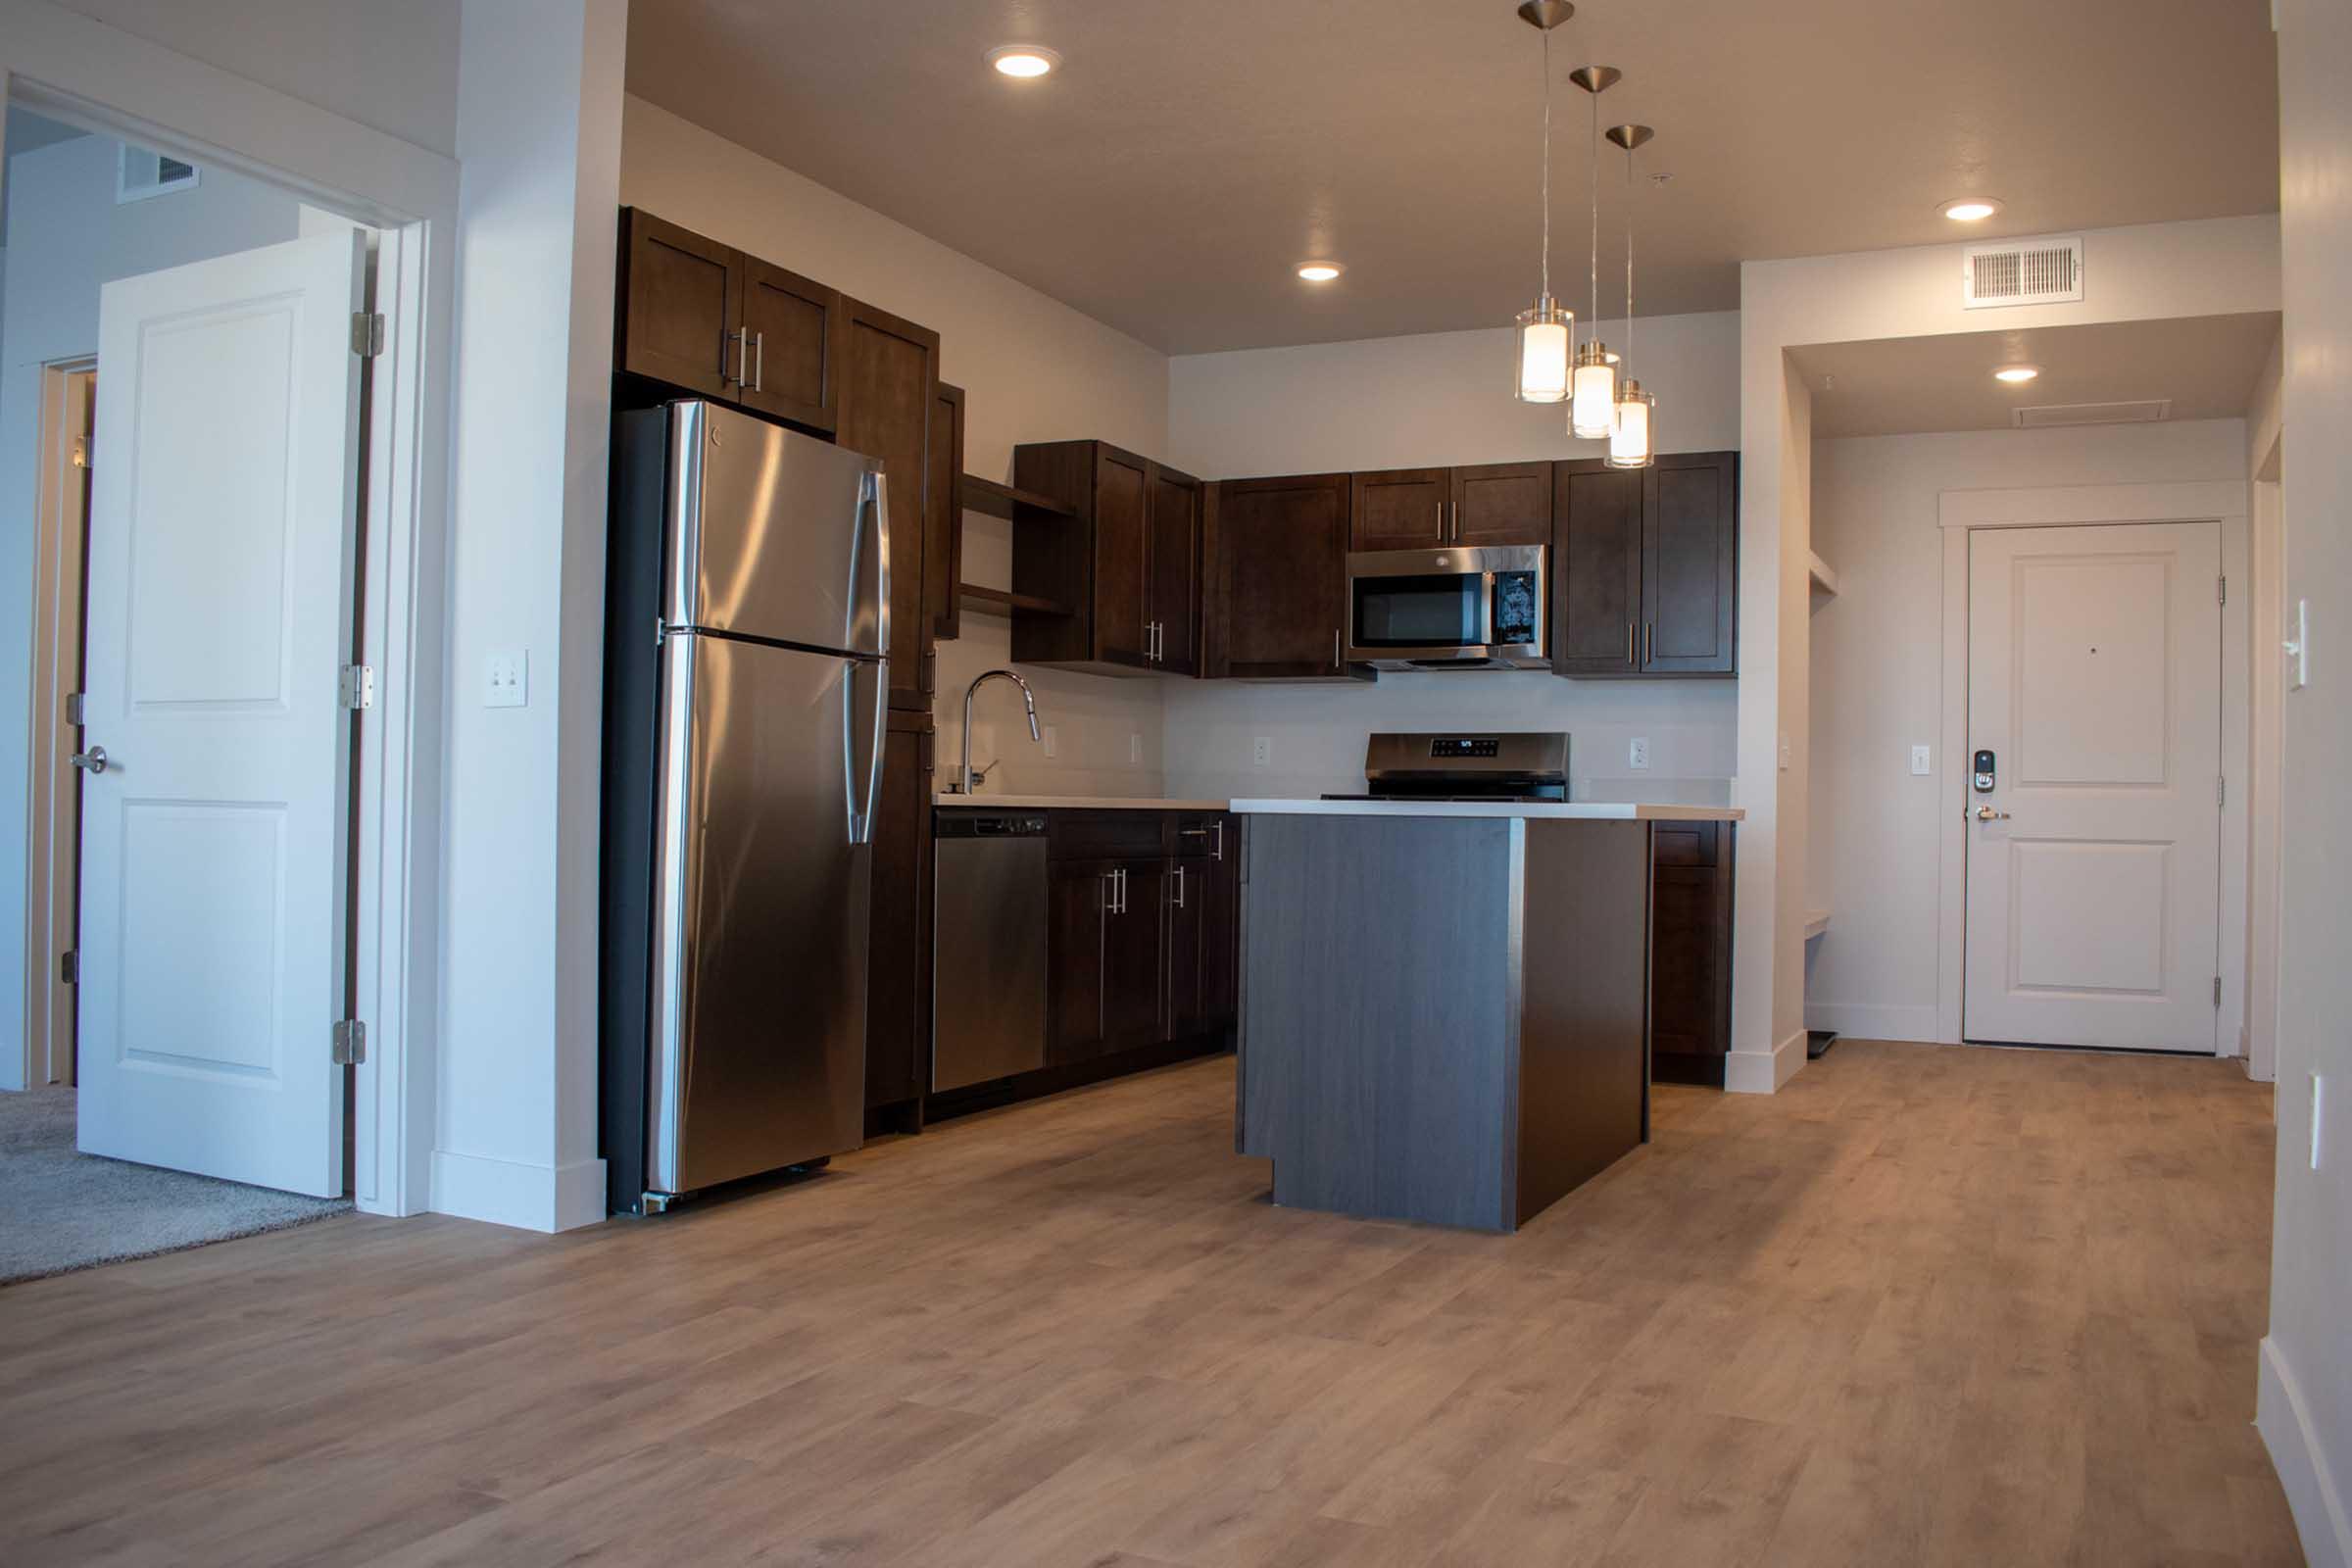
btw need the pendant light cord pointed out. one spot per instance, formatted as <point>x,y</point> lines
<point>1629,256</point>
<point>1596,173</point>
<point>1546,293</point>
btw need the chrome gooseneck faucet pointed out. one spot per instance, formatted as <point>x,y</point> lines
<point>963,774</point>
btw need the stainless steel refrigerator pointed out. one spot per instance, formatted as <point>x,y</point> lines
<point>748,611</point>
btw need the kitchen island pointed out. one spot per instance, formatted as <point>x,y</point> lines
<point>1445,1004</point>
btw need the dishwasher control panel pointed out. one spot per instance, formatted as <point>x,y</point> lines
<point>989,825</point>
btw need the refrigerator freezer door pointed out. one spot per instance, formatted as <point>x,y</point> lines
<point>774,535</point>
<point>760,904</point>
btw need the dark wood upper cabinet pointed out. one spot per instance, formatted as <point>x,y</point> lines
<point>1690,563</point>
<point>785,358</point>
<point>681,305</point>
<point>943,551</point>
<point>1503,504</point>
<point>1277,557</point>
<point>889,386</point>
<point>1644,571</point>
<point>1120,576</point>
<point>1401,509</point>
<point>1595,569</point>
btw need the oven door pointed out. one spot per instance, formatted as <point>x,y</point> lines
<point>1446,609</point>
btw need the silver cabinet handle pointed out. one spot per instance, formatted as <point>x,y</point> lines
<point>759,364</point>
<point>1335,648</point>
<point>1632,645</point>
<point>1180,886</point>
<point>1218,853</point>
<point>94,760</point>
<point>1440,522</point>
<point>1650,643</point>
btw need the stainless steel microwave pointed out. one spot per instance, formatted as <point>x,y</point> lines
<point>1446,609</point>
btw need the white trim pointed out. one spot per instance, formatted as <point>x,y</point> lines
<point>2283,1419</point>
<point>1762,1072</point>
<point>2218,500</point>
<point>1874,1020</point>
<point>508,1191</point>
<point>88,72</point>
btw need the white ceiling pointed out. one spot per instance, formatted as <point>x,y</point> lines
<point>2206,364</point>
<point>1187,156</point>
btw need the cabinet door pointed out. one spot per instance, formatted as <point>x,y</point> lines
<point>1277,568</point>
<point>1595,569</point>
<point>1691,952</point>
<point>1211,864</point>
<point>899,953</point>
<point>1402,508</point>
<point>889,379</point>
<point>1503,504</point>
<point>1689,565</point>
<point>943,551</point>
<point>1187,883</point>
<point>1175,569</point>
<point>1078,900</point>
<point>786,364</point>
<point>679,302</point>
<point>1134,962</point>
<point>1122,551</point>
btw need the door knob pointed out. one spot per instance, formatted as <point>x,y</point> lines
<point>94,759</point>
<point>1986,813</point>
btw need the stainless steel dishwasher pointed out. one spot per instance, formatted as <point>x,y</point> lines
<point>988,953</point>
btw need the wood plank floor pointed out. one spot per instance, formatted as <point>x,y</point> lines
<point>1924,1306</point>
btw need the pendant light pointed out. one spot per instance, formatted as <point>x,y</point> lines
<point>1593,400</point>
<point>1545,329</point>
<point>1632,444</point>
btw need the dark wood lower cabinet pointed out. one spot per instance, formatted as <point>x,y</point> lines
<point>1691,952</point>
<point>898,992</point>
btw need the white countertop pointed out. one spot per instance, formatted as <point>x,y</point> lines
<point>1580,811</point>
<point>1074,802</point>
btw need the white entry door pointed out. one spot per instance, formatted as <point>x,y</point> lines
<point>2094,662</point>
<point>221,533</point>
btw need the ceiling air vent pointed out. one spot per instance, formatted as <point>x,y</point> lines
<point>2039,271</point>
<point>2043,416</point>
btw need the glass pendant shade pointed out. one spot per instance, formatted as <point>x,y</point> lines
<point>1543,337</point>
<point>1592,403</point>
<point>1632,444</point>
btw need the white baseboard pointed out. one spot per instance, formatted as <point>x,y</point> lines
<point>2285,1422</point>
<point>1760,1072</point>
<point>1874,1020</point>
<point>527,1197</point>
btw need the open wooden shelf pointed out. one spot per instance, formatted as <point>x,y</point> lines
<point>1003,500</point>
<point>1003,602</point>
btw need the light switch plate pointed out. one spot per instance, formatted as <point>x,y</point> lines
<point>1053,741</point>
<point>507,677</point>
<point>1636,756</point>
<point>2298,648</point>
<point>1135,747</point>
<point>1919,761</point>
<point>1785,753</point>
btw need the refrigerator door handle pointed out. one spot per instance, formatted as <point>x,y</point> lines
<point>870,532</point>
<point>862,742</point>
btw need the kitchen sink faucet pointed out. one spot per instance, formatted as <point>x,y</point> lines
<point>963,774</point>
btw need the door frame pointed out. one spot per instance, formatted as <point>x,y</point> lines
<point>1958,513</point>
<point>51,799</point>
<point>69,67</point>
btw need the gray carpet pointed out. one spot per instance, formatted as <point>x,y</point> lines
<point>60,1210</point>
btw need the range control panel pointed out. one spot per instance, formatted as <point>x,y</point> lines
<point>1464,746</point>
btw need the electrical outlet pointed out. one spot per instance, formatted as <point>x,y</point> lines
<point>1784,753</point>
<point>2297,647</point>
<point>1053,741</point>
<point>1636,756</point>
<point>507,677</point>
<point>1919,767</point>
<point>2318,1098</point>
<point>1262,751</point>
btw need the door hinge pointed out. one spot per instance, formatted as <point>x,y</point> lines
<point>2217,990</point>
<point>366,333</point>
<point>2222,591</point>
<point>69,967</point>
<point>73,709</point>
<point>349,1046</point>
<point>355,686</point>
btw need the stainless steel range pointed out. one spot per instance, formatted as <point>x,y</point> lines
<point>1465,766</point>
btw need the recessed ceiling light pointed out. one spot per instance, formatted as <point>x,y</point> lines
<point>1024,60</point>
<point>1320,271</point>
<point>2014,373</point>
<point>1970,209</point>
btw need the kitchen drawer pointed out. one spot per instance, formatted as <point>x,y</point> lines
<point>1685,843</point>
<point>1107,835</point>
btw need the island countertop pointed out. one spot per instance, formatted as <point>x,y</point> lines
<point>1073,803</point>
<point>1543,810</point>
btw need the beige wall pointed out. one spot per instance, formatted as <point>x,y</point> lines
<point>2305,1412</point>
<point>1032,369</point>
<point>1875,685</point>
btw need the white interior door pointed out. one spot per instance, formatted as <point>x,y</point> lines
<point>213,841</point>
<point>2094,679</point>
